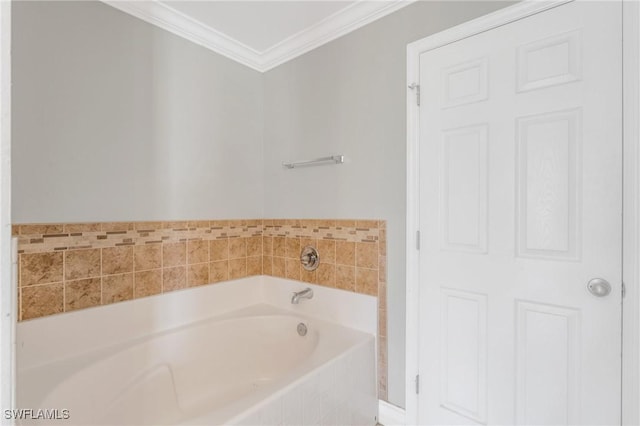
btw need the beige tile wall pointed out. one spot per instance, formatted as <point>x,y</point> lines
<point>65,267</point>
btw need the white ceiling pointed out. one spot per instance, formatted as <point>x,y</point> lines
<point>260,34</point>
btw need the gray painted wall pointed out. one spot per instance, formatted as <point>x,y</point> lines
<point>115,119</point>
<point>348,97</point>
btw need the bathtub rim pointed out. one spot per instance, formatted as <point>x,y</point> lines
<point>44,340</point>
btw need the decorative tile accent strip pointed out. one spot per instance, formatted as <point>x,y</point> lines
<point>65,267</point>
<point>51,237</point>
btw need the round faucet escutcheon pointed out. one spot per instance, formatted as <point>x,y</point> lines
<point>309,258</point>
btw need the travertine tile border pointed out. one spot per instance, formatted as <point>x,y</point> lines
<point>65,267</point>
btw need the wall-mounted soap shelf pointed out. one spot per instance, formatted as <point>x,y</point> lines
<point>334,159</point>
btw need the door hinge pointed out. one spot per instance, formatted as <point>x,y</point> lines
<point>417,384</point>
<point>417,240</point>
<point>416,87</point>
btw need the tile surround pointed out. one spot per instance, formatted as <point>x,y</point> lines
<point>65,267</point>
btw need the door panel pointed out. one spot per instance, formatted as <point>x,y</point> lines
<point>549,178</point>
<point>520,206</point>
<point>463,378</point>
<point>464,189</point>
<point>547,358</point>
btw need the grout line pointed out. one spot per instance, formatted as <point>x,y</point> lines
<point>162,246</point>
<point>64,279</point>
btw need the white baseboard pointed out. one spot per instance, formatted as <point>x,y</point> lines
<point>390,415</point>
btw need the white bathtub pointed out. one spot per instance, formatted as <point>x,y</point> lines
<point>243,365</point>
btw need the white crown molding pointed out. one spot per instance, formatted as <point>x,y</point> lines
<point>336,25</point>
<point>167,18</point>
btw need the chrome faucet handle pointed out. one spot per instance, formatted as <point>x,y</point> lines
<point>310,258</point>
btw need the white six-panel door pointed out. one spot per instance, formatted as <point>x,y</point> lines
<point>520,207</point>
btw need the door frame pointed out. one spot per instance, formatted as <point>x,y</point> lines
<point>631,193</point>
<point>8,286</point>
